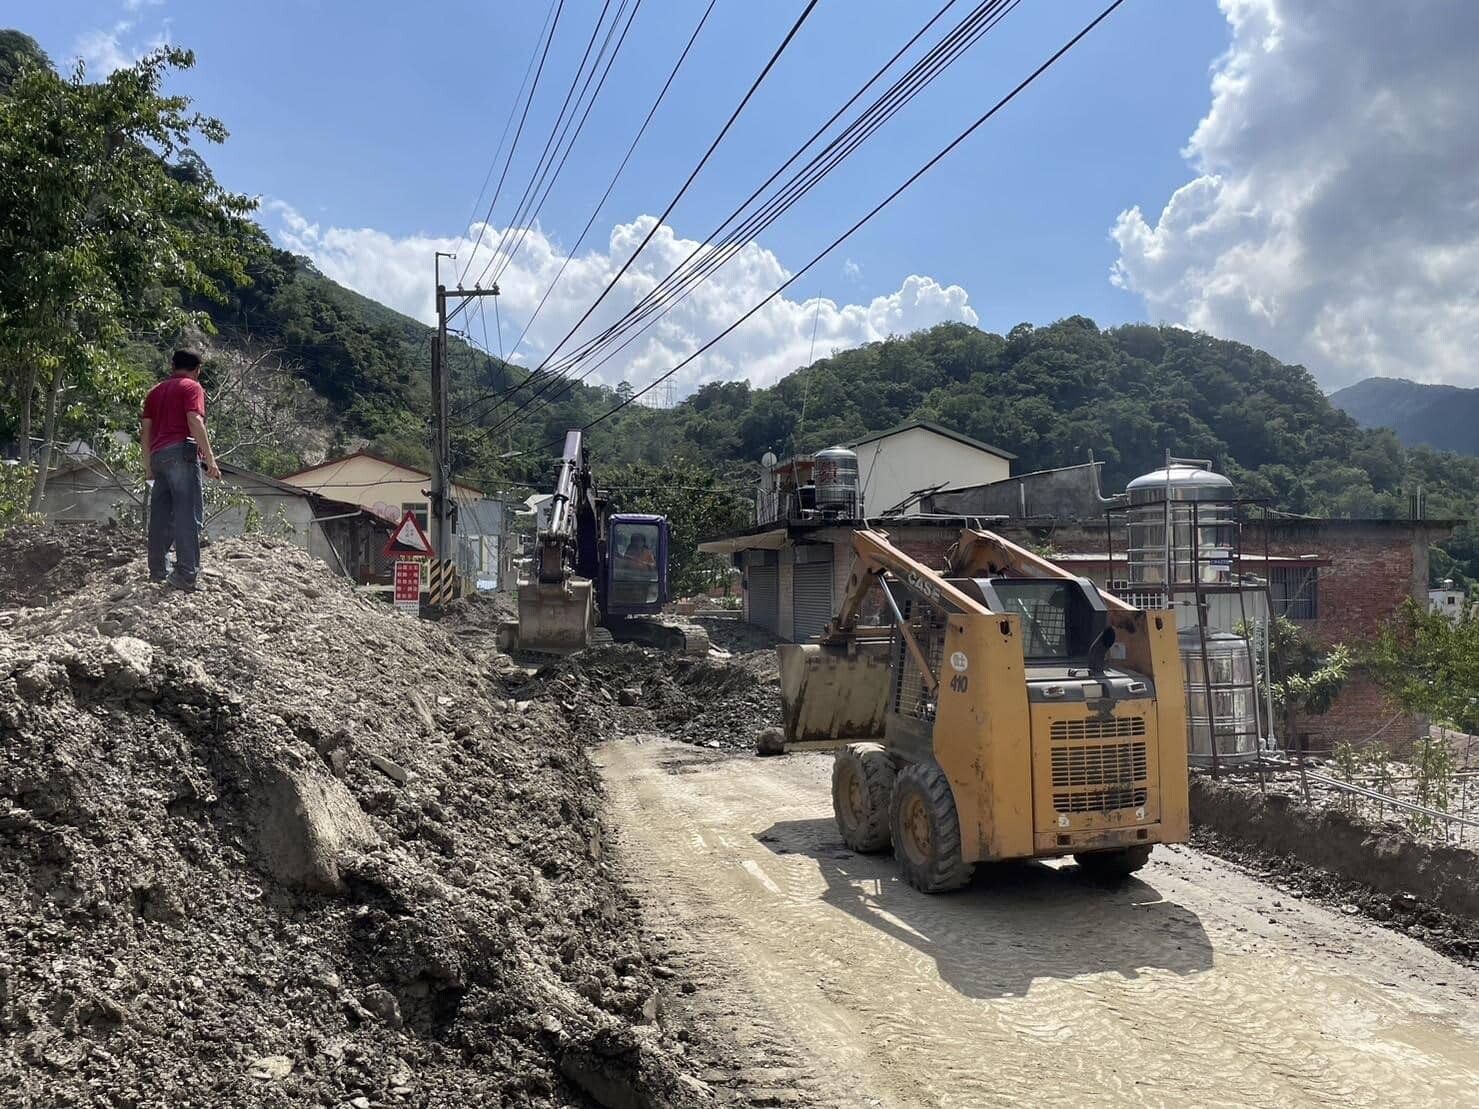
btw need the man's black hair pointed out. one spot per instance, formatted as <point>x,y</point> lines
<point>185,360</point>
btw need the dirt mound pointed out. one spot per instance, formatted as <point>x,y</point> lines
<point>273,844</point>
<point>709,702</point>
<point>39,563</point>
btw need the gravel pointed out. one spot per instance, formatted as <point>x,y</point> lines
<point>272,843</point>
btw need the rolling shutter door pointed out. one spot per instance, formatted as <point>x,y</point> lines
<point>811,598</point>
<point>763,587</point>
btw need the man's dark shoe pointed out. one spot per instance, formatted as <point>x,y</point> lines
<point>177,582</point>
<point>159,578</point>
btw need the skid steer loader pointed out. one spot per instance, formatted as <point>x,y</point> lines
<point>1011,711</point>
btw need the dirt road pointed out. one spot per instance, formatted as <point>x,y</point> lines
<point>1194,984</point>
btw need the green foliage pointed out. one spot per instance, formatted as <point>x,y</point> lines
<point>1306,677</point>
<point>1429,665</point>
<point>698,505</point>
<point>15,495</point>
<point>108,221</point>
<point>19,52</point>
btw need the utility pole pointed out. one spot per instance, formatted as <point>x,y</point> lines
<point>441,431</point>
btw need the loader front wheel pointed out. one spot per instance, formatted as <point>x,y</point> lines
<point>862,783</point>
<point>1113,866</point>
<point>926,831</point>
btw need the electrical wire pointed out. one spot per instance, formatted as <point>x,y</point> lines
<point>688,275</point>
<point>512,108</point>
<point>483,227</point>
<point>517,226</point>
<point>915,176</point>
<point>749,94</point>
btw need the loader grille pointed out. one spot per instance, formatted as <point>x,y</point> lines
<point>1093,776</point>
<point>1119,727</point>
<point>1099,764</point>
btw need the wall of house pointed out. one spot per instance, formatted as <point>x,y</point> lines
<point>891,468</point>
<point>382,487</point>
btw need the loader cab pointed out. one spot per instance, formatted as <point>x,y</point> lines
<point>1062,619</point>
<point>636,571</point>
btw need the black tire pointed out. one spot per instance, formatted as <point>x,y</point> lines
<point>926,830</point>
<point>862,784</point>
<point>1113,866</point>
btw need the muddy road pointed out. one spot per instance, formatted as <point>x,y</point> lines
<point>1194,983</point>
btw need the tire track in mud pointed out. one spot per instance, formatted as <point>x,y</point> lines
<point>1193,983</point>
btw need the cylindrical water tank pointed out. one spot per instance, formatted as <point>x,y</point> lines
<point>835,473</point>
<point>1221,698</point>
<point>1180,515</point>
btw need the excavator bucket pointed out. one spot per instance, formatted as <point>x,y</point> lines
<point>553,618</point>
<point>833,695</point>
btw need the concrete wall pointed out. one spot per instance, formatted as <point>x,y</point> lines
<point>891,468</point>
<point>1066,493</point>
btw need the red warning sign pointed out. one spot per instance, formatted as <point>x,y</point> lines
<point>408,540</point>
<point>408,585</point>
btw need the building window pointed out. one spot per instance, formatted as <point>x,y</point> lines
<point>1142,599</point>
<point>419,510</point>
<point>1294,591</point>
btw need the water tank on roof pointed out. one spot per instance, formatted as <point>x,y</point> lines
<point>835,473</point>
<point>1181,525</point>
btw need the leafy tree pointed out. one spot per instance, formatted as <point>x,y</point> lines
<point>1305,677</point>
<point>107,221</point>
<point>19,52</point>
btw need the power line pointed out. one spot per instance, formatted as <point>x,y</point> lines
<point>688,275</point>
<point>517,228</point>
<point>979,122</point>
<point>512,108</point>
<point>769,65</point>
<point>549,38</point>
<point>614,178</point>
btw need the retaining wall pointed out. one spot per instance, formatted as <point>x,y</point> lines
<point>1382,858</point>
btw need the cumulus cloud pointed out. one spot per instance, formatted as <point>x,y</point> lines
<point>1333,218</point>
<point>103,51</point>
<point>772,343</point>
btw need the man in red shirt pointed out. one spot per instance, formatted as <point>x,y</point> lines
<point>175,445</point>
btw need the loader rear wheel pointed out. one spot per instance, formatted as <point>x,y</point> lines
<point>862,784</point>
<point>1113,866</point>
<point>926,831</point>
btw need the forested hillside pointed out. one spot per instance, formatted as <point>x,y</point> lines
<point>1444,417</point>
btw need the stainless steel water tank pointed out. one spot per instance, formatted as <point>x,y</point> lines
<point>835,472</point>
<point>1221,699</point>
<point>1165,503</point>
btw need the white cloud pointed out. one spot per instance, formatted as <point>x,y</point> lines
<point>851,270</point>
<point>772,343</point>
<point>1333,218</point>
<point>103,51</point>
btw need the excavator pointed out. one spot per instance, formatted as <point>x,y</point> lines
<point>595,575</point>
<point>1008,710</point>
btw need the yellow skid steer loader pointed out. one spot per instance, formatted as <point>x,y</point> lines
<point>1011,711</point>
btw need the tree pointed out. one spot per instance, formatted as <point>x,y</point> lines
<point>107,222</point>
<point>19,52</point>
<point>1306,678</point>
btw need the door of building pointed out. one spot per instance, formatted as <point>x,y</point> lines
<point>811,599</point>
<point>763,589</point>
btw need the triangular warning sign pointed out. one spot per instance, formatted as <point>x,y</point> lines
<point>408,540</point>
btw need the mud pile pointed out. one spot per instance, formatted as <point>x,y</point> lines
<point>273,844</point>
<point>40,564</point>
<point>618,689</point>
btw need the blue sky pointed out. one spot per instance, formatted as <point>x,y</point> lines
<point>367,129</point>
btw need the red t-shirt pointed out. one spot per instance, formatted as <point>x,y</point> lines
<point>167,404</point>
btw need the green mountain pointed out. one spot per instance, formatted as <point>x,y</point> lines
<point>1445,417</point>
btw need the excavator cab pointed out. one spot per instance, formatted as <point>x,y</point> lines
<point>636,565</point>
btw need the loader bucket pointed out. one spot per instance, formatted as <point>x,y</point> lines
<point>832,695</point>
<point>554,619</point>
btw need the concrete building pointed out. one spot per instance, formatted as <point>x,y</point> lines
<point>85,489</point>
<point>896,464</point>
<point>1452,603</point>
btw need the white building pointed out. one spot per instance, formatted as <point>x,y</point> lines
<point>1451,602</point>
<point>918,457</point>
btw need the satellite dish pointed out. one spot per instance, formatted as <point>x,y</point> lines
<point>768,459</point>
